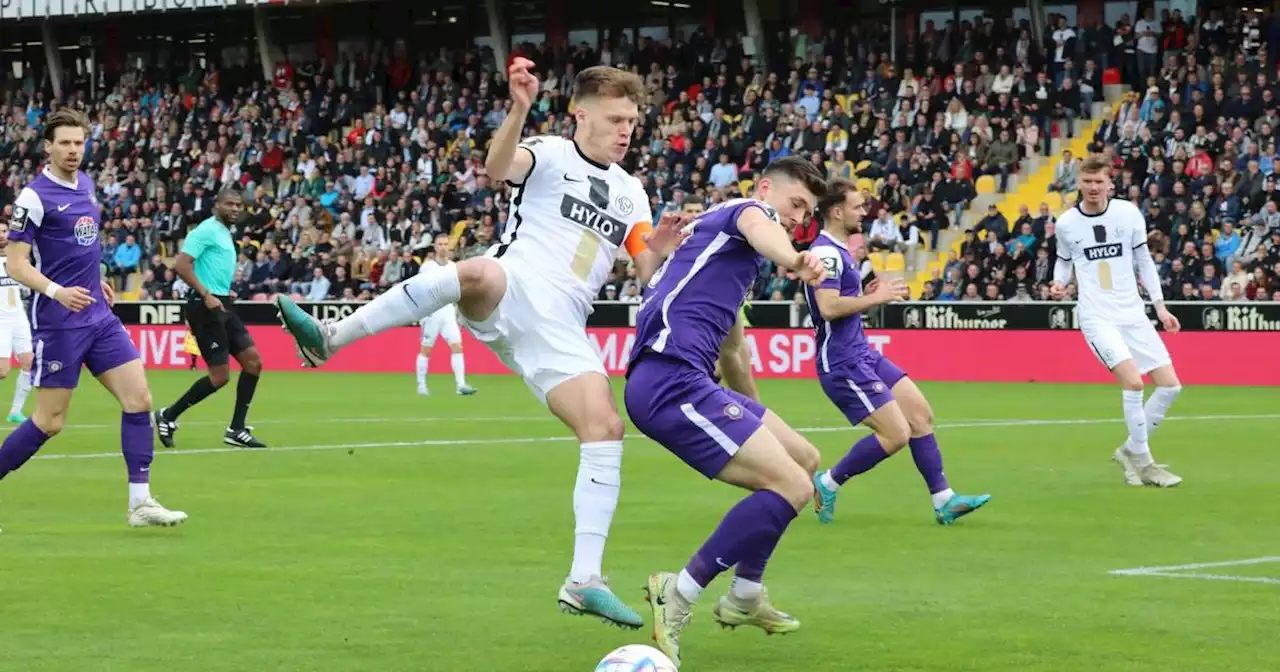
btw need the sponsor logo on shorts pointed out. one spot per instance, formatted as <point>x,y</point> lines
<point>733,412</point>
<point>878,387</point>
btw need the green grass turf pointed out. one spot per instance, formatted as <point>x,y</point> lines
<point>438,542</point>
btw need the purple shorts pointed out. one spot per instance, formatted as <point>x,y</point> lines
<point>59,353</point>
<point>859,388</point>
<point>683,409</point>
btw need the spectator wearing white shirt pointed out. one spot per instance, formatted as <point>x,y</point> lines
<point>884,234</point>
<point>364,184</point>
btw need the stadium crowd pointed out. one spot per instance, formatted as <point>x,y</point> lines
<point>352,169</point>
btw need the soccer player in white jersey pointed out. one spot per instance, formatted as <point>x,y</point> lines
<point>1105,239</point>
<point>443,322</point>
<point>574,206</point>
<point>15,333</point>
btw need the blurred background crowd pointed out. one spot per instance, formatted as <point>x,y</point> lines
<point>355,169</point>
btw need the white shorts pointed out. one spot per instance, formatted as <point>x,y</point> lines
<point>443,322</point>
<point>1115,343</point>
<point>538,331</point>
<point>15,338</point>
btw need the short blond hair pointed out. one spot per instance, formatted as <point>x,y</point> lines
<point>603,81</point>
<point>1095,163</point>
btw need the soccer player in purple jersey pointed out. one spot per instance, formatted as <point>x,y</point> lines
<point>690,306</point>
<point>56,218</point>
<point>862,383</point>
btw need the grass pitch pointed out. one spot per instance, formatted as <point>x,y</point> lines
<point>388,532</point>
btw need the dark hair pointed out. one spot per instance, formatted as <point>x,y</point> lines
<point>229,192</point>
<point>837,190</point>
<point>66,117</point>
<point>609,82</point>
<point>800,170</point>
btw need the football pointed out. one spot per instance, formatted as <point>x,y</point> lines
<point>636,658</point>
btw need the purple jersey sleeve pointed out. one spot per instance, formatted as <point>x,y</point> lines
<point>28,214</point>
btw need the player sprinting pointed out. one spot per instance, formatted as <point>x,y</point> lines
<point>207,263</point>
<point>733,367</point>
<point>1104,240</point>
<point>443,322</point>
<point>15,333</point>
<point>672,397</point>
<point>58,218</point>
<point>867,387</point>
<point>573,208</point>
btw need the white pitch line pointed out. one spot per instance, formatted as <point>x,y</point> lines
<point>1213,577</point>
<point>553,439</point>
<point>993,422</point>
<point>1198,565</point>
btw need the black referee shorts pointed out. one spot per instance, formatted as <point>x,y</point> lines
<point>219,333</point>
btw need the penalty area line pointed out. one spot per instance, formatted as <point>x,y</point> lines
<point>565,439</point>
<point>1187,571</point>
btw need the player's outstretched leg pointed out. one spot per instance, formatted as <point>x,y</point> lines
<point>889,433</point>
<point>585,404</point>
<point>479,282</point>
<point>947,505</point>
<point>749,533</point>
<point>1134,457</point>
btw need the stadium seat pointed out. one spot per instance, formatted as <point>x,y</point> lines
<point>744,186</point>
<point>985,184</point>
<point>877,261</point>
<point>895,261</point>
<point>1054,200</point>
<point>866,184</point>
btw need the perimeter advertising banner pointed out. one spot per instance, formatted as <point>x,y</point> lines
<point>1229,354</point>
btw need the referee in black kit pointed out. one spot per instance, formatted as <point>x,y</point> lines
<point>207,263</point>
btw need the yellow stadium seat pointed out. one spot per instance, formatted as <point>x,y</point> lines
<point>1054,200</point>
<point>744,186</point>
<point>895,262</point>
<point>877,261</point>
<point>986,184</point>
<point>865,184</point>
<point>861,166</point>
<point>982,235</point>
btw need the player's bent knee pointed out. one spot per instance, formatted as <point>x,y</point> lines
<point>49,423</point>
<point>136,402</point>
<point>796,487</point>
<point>219,375</point>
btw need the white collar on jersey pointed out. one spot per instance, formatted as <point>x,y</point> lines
<point>59,181</point>
<point>833,239</point>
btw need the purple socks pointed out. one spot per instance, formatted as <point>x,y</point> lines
<point>137,441</point>
<point>928,459</point>
<point>861,458</point>
<point>19,446</point>
<point>748,534</point>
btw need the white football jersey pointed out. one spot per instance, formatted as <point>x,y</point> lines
<point>11,292</point>
<point>1100,248</point>
<point>570,217</point>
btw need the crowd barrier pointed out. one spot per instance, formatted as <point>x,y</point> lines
<point>1227,344</point>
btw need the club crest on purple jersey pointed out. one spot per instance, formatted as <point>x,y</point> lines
<point>86,231</point>
<point>733,412</point>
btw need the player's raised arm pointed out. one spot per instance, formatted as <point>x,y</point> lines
<point>769,238</point>
<point>506,159</point>
<point>28,213</point>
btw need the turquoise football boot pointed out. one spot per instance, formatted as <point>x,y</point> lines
<point>958,507</point>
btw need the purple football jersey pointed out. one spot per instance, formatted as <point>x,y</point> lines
<point>839,341</point>
<point>693,300</point>
<point>60,220</point>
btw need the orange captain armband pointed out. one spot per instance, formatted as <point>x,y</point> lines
<point>635,242</point>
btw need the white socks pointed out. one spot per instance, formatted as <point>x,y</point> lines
<point>20,393</point>
<point>422,370</point>
<point>828,482</point>
<point>1136,420</point>
<point>595,497</point>
<point>687,587</point>
<point>138,493</point>
<point>403,304</point>
<point>1158,405</point>
<point>1153,413</point>
<point>459,365</point>
<point>745,589</point>
<point>941,497</point>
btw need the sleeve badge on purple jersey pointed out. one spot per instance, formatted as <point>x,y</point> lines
<point>19,220</point>
<point>733,412</point>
